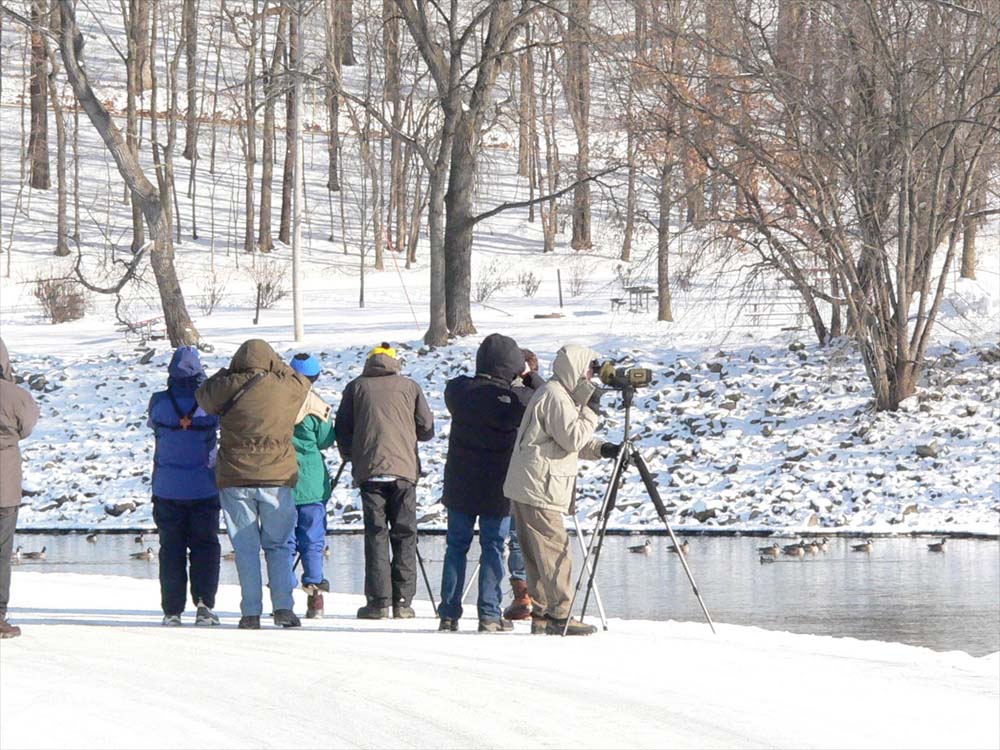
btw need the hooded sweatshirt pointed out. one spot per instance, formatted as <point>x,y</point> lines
<point>18,416</point>
<point>381,417</point>
<point>185,434</point>
<point>485,413</point>
<point>255,446</point>
<point>557,430</point>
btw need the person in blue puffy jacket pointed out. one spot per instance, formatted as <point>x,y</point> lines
<point>185,498</point>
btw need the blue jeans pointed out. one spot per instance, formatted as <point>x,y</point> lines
<point>515,560</point>
<point>309,540</point>
<point>492,534</point>
<point>261,517</point>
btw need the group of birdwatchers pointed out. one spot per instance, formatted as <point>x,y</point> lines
<point>249,441</point>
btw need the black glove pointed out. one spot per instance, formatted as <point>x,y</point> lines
<point>610,450</point>
<point>595,401</point>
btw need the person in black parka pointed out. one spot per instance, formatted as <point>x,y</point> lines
<point>486,411</point>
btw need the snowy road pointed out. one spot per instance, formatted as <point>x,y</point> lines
<point>95,669</point>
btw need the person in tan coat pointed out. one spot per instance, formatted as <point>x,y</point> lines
<point>18,416</point>
<point>259,399</point>
<point>556,431</point>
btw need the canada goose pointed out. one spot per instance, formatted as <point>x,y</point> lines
<point>773,551</point>
<point>139,538</point>
<point>865,546</point>
<point>147,555</point>
<point>767,559</point>
<point>794,550</point>
<point>231,555</point>
<point>39,555</point>
<point>326,551</point>
<point>822,544</point>
<point>683,547</point>
<point>16,555</point>
<point>812,547</point>
<point>92,538</point>
<point>937,546</point>
<point>641,549</point>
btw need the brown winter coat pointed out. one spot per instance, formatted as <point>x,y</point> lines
<point>380,419</point>
<point>18,416</point>
<point>255,446</point>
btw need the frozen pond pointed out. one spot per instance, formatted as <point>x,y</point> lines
<point>897,592</point>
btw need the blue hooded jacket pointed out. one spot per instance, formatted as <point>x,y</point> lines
<point>185,435</point>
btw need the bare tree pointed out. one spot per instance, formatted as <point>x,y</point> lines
<point>189,20</point>
<point>178,323</point>
<point>62,230</point>
<point>577,84</point>
<point>272,88</point>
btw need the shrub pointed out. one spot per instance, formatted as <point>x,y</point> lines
<point>269,278</point>
<point>528,283</point>
<point>489,281</point>
<point>213,291</point>
<point>61,300</point>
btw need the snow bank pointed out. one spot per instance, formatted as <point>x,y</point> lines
<point>95,669</point>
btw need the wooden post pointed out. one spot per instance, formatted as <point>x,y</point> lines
<point>559,279</point>
<point>256,315</point>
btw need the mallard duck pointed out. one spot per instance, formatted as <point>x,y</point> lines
<point>39,555</point>
<point>773,551</point>
<point>139,538</point>
<point>794,550</point>
<point>147,555</point>
<point>640,549</point>
<point>92,538</point>
<point>937,546</point>
<point>767,559</point>
<point>683,547</point>
<point>865,546</point>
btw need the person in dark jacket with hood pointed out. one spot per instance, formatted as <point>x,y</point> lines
<point>258,399</point>
<point>185,499</point>
<point>485,411</point>
<point>18,416</point>
<point>381,417</point>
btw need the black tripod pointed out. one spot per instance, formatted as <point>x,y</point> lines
<point>628,454</point>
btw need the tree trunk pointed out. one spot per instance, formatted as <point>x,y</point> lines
<point>135,39</point>
<point>459,225</point>
<point>970,229</point>
<point>190,23</point>
<point>437,333</point>
<point>332,28</point>
<point>62,230</point>
<point>291,126</point>
<point>266,242</point>
<point>578,99</point>
<point>664,311</point>
<point>178,323</point>
<point>38,144</point>
<point>250,149</point>
<point>346,8</point>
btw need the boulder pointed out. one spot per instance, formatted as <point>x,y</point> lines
<point>931,450</point>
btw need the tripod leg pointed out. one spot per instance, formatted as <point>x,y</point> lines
<point>597,594</point>
<point>427,582</point>
<point>661,511</point>
<point>475,573</point>
<point>598,537</point>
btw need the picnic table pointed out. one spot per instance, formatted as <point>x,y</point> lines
<point>639,297</point>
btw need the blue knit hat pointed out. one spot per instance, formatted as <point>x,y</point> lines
<point>306,364</point>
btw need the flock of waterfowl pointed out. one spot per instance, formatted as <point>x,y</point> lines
<point>773,552</point>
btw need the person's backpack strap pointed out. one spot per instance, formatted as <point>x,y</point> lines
<point>241,393</point>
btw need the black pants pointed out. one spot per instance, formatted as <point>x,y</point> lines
<point>390,511</point>
<point>8,520</point>
<point>187,525</point>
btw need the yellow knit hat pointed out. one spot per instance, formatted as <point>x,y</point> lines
<point>383,348</point>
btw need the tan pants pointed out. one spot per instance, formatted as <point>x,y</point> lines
<point>547,559</point>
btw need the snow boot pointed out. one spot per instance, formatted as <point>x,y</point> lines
<point>538,624</point>
<point>368,612</point>
<point>520,608</point>
<point>171,621</point>
<point>7,630</point>
<point>205,616</point>
<point>249,622</point>
<point>495,626</point>
<point>285,618</point>
<point>314,606</point>
<point>403,612</point>
<point>556,627</point>
<point>448,625</point>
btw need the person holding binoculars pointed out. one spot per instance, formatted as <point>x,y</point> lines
<point>556,431</point>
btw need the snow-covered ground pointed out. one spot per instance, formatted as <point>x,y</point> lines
<point>95,669</point>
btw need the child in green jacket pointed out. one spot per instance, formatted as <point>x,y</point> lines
<point>313,434</point>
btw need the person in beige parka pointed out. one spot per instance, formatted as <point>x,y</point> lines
<point>556,431</point>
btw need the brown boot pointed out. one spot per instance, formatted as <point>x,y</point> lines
<point>520,608</point>
<point>7,630</point>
